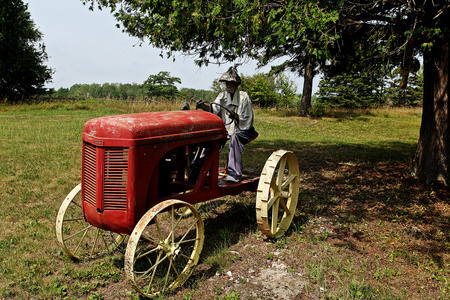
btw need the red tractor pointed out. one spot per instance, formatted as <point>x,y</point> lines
<point>136,183</point>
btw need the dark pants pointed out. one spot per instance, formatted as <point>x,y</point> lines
<point>236,147</point>
<point>237,142</point>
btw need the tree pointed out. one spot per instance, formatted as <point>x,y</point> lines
<point>305,34</point>
<point>197,95</point>
<point>351,90</point>
<point>266,89</point>
<point>295,34</point>
<point>410,95</point>
<point>270,90</point>
<point>403,29</point>
<point>370,88</point>
<point>432,159</point>
<point>61,93</point>
<point>22,57</point>
<point>161,85</point>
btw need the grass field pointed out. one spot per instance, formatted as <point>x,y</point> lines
<point>364,228</point>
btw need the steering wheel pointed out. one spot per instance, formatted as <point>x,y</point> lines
<point>226,109</point>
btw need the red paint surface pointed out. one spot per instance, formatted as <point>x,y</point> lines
<point>147,138</point>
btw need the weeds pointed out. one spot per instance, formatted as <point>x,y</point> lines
<point>232,296</point>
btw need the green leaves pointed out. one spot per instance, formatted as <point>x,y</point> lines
<point>224,30</point>
<point>270,90</point>
<point>358,89</point>
<point>161,84</point>
<point>22,58</point>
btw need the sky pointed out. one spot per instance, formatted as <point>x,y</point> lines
<point>86,47</point>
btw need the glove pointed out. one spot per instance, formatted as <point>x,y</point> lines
<point>206,106</point>
<point>185,106</point>
<point>234,115</point>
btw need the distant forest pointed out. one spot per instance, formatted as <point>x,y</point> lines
<point>125,91</point>
<point>361,90</point>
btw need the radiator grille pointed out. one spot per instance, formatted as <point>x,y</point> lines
<point>115,182</point>
<point>89,181</point>
<point>115,174</point>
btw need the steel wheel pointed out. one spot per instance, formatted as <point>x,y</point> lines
<point>163,248</point>
<point>78,238</point>
<point>277,194</point>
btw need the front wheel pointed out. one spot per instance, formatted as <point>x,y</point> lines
<point>78,238</point>
<point>163,248</point>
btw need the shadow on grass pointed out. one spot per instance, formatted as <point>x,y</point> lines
<point>224,228</point>
<point>350,184</point>
<point>315,154</point>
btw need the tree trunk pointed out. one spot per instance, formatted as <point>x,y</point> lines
<point>431,161</point>
<point>305,104</point>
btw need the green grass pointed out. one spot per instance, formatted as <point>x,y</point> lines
<point>364,229</point>
<point>40,154</point>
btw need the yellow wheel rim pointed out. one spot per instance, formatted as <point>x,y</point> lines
<point>78,238</point>
<point>277,193</point>
<point>163,248</point>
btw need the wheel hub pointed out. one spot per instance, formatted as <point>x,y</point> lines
<point>170,249</point>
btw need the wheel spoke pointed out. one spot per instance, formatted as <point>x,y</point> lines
<point>172,233</point>
<point>185,256</point>
<point>288,182</point>
<point>173,257</point>
<point>187,231</point>
<point>188,241</point>
<point>149,239</point>
<point>158,229</point>
<point>76,204</point>
<point>153,273</point>
<point>281,171</point>
<point>275,217</point>
<point>273,185</point>
<point>152,268</point>
<point>284,206</point>
<point>104,240</point>
<point>84,230</point>
<point>74,219</point>
<point>156,267</point>
<point>95,241</point>
<point>176,225</point>
<point>167,274</point>
<point>174,268</point>
<point>272,201</point>
<point>146,253</point>
<point>81,240</point>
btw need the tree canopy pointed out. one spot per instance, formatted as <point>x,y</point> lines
<point>351,90</point>
<point>22,56</point>
<point>294,34</point>
<point>304,34</point>
<point>269,90</point>
<point>228,30</point>
<point>265,89</point>
<point>161,84</point>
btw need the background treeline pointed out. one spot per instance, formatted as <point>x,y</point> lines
<point>126,91</point>
<point>361,89</point>
<point>266,90</point>
<point>345,84</point>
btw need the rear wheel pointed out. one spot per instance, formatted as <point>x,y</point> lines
<point>163,248</point>
<point>78,238</point>
<point>277,193</point>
